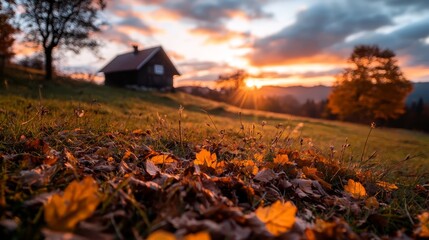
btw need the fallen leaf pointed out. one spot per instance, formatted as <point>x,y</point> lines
<point>355,189</point>
<point>372,202</point>
<point>205,157</point>
<point>265,175</point>
<point>151,168</point>
<point>278,218</point>
<point>79,201</point>
<point>387,186</point>
<point>161,235</point>
<point>198,236</point>
<point>162,159</point>
<point>282,159</point>
<point>424,224</point>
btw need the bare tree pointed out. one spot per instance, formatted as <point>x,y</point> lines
<point>69,24</point>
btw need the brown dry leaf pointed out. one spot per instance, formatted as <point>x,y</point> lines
<point>278,218</point>
<point>424,225</point>
<point>372,202</point>
<point>70,158</point>
<point>282,159</point>
<point>151,168</point>
<point>161,235</point>
<point>387,186</point>
<point>79,201</point>
<point>198,236</point>
<point>205,157</point>
<point>265,175</point>
<point>162,159</point>
<point>355,189</point>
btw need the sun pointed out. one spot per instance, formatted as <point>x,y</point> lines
<point>253,83</point>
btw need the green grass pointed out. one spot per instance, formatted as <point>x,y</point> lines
<point>120,109</point>
<point>120,120</point>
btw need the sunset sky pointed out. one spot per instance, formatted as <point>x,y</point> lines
<point>294,42</point>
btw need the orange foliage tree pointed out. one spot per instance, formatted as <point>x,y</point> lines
<point>373,88</point>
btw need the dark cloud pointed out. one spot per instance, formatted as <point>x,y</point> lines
<point>317,29</point>
<point>407,41</point>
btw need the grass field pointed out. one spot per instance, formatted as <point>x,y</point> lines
<point>84,118</point>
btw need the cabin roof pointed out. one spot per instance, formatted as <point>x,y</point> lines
<point>132,60</point>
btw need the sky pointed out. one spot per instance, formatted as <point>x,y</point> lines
<point>279,42</point>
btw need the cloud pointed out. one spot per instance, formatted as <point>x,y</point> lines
<point>316,33</point>
<point>209,17</point>
<point>408,42</point>
<point>207,71</point>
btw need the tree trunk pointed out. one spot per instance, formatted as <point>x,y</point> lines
<point>48,63</point>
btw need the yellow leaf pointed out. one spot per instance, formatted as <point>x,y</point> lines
<point>424,224</point>
<point>162,159</point>
<point>198,236</point>
<point>205,157</point>
<point>355,189</point>
<point>282,159</point>
<point>79,201</point>
<point>161,235</point>
<point>387,186</point>
<point>278,218</point>
<point>372,202</point>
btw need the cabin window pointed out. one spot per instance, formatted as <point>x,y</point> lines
<point>159,69</point>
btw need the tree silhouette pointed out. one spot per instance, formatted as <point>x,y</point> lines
<point>68,24</point>
<point>233,81</point>
<point>374,88</point>
<point>7,30</point>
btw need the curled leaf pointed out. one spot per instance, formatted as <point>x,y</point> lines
<point>355,189</point>
<point>387,186</point>
<point>278,218</point>
<point>79,201</point>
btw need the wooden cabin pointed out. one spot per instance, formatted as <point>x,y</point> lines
<point>149,68</point>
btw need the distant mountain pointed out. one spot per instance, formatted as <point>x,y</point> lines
<point>301,93</point>
<point>317,93</point>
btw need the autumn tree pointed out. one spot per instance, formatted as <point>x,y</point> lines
<point>373,88</point>
<point>57,23</point>
<point>7,31</point>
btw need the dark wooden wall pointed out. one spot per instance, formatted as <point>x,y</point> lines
<point>146,76</point>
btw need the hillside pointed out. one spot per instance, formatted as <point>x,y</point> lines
<point>321,92</point>
<point>140,163</point>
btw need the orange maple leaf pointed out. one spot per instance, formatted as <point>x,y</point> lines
<point>278,218</point>
<point>355,189</point>
<point>79,201</point>
<point>205,157</point>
